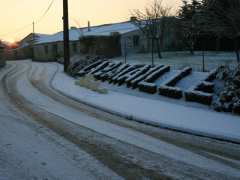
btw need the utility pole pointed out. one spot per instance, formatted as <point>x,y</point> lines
<point>66,35</point>
<point>33,27</point>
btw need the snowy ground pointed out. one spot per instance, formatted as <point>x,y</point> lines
<point>178,60</point>
<point>157,112</point>
<point>113,146</point>
<point>28,150</point>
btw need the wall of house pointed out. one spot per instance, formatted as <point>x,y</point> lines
<point>53,51</point>
<point>134,42</point>
<point>2,61</point>
<point>107,46</point>
<point>171,40</point>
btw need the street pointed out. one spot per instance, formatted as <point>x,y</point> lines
<point>46,135</point>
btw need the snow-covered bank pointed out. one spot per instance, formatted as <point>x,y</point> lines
<point>160,113</point>
<point>180,59</point>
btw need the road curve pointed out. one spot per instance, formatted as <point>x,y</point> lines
<point>116,147</point>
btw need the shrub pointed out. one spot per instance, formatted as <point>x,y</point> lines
<point>205,87</point>
<point>198,96</point>
<point>148,87</point>
<point>185,72</point>
<point>172,92</point>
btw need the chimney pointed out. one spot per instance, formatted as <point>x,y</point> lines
<point>133,18</point>
<point>89,26</point>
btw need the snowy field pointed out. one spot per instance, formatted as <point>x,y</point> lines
<point>181,59</point>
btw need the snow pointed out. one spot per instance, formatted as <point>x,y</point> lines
<point>30,151</point>
<point>179,59</point>
<point>103,30</point>
<point>123,134</point>
<point>165,114</point>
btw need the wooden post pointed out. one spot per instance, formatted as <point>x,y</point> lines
<point>66,35</point>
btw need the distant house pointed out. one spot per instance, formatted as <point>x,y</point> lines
<point>109,40</point>
<point>2,62</point>
<point>97,40</point>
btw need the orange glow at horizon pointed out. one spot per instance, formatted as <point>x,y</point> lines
<point>17,16</point>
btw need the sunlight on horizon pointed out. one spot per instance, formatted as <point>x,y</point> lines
<point>17,16</point>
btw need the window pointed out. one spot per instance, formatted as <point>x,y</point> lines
<point>136,41</point>
<point>74,46</point>
<point>46,49</point>
<point>55,49</point>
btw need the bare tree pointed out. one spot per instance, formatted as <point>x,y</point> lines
<point>152,22</point>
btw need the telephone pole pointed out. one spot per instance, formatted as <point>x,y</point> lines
<point>66,35</point>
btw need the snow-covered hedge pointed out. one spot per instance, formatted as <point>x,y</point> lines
<point>175,79</point>
<point>135,82</point>
<point>212,75</point>
<point>198,96</point>
<point>156,74</point>
<point>205,86</point>
<point>87,69</point>
<point>148,87</point>
<point>103,74</point>
<point>144,77</point>
<point>202,92</point>
<point>169,91</point>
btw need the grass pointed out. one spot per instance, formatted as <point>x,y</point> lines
<point>89,82</point>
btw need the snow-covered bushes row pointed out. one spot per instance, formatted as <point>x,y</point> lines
<point>168,88</point>
<point>202,92</point>
<point>135,82</point>
<point>103,75</point>
<point>148,84</point>
<point>169,91</point>
<point>175,79</point>
<point>144,77</point>
<point>150,88</point>
<point>205,86</point>
<point>199,97</point>
<point>77,63</point>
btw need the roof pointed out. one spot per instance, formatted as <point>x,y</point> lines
<point>29,39</point>
<point>102,30</point>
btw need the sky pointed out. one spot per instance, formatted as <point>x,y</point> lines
<point>16,16</point>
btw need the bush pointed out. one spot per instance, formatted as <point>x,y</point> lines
<point>89,82</point>
<point>185,72</point>
<point>172,92</point>
<point>198,96</point>
<point>205,87</point>
<point>150,88</point>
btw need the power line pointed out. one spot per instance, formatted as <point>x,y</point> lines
<point>45,12</point>
<point>18,30</point>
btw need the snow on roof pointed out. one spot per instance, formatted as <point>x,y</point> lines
<point>102,30</point>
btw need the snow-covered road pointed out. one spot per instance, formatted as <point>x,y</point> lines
<point>91,144</point>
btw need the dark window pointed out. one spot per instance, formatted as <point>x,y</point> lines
<point>55,49</point>
<point>74,45</point>
<point>136,41</point>
<point>46,49</point>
